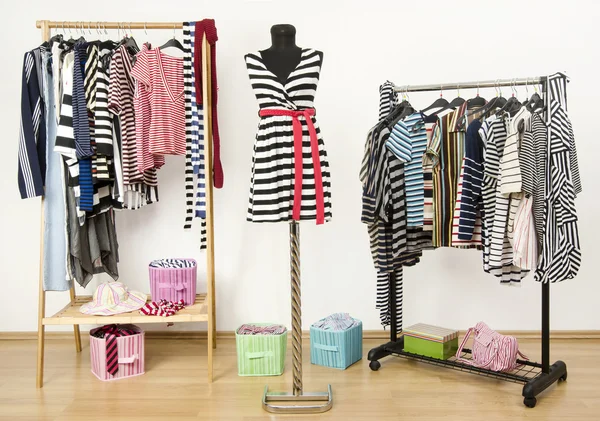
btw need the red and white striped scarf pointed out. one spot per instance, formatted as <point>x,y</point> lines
<point>163,308</point>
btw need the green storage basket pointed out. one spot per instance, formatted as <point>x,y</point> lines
<point>261,355</point>
<point>336,348</point>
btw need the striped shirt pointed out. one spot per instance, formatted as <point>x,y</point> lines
<point>162,75</point>
<point>498,252</point>
<point>32,134</point>
<point>459,129</point>
<point>408,141</point>
<point>428,180</point>
<point>448,151</point>
<point>139,188</point>
<point>471,200</point>
<point>146,160</point>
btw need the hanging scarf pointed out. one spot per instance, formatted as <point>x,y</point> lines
<point>207,27</point>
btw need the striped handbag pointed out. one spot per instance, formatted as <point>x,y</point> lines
<point>491,350</point>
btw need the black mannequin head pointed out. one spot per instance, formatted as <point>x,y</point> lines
<point>283,36</point>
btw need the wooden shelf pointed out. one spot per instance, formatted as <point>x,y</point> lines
<point>70,315</point>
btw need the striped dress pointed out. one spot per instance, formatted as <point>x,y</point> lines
<point>272,183</point>
<point>561,250</point>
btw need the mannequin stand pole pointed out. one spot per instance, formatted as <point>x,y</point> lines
<point>297,394</point>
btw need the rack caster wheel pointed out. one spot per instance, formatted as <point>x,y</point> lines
<point>530,402</point>
<point>563,378</point>
<point>374,365</point>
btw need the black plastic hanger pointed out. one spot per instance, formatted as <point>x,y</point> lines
<point>173,42</point>
<point>452,105</point>
<point>476,102</point>
<point>441,102</point>
<point>512,105</point>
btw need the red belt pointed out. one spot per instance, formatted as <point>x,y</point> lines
<point>314,146</point>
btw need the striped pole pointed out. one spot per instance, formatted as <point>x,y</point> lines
<point>296,308</point>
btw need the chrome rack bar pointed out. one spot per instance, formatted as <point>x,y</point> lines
<point>472,85</point>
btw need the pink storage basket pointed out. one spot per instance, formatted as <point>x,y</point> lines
<point>173,283</point>
<point>130,350</point>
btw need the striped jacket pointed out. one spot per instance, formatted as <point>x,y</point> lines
<point>32,134</point>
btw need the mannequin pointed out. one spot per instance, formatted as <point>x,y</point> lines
<point>281,188</point>
<point>283,56</point>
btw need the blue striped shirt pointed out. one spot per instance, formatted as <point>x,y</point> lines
<point>408,142</point>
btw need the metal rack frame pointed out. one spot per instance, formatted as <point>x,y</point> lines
<point>204,308</point>
<point>540,376</point>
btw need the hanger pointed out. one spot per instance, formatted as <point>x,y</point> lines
<point>454,104</point>
<point>438,103</point>
<point>512,105</point>
<point>400,111</point>
<point>173,42</point>
<point>497,102</point>
<point>526,92</point>
<point>477,101</point>
<point>535,102</point>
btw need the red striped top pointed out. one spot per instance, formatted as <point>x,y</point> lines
<point>162,76</point>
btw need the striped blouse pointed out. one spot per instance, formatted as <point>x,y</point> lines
<point>162,75</point>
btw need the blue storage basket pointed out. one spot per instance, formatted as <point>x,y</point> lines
<point>336,348</point>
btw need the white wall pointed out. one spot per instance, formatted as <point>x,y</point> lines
<point>439,41</point>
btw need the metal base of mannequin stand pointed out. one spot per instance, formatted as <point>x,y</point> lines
<point>297,398</point>
<point>296,403</point>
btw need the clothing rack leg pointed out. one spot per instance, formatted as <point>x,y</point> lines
<point>546,327</point>
<point>298,395</point>
<point>76,330</point>
<point>210,236</point>
<point>393,303</point>
<point>46,34</point>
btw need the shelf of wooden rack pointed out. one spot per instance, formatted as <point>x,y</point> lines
<point>70,314</point>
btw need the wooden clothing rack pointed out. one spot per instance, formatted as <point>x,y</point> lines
<point>203,310</point>
<point>536,377</point>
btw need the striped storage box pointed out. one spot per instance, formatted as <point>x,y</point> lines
<point>431,341</point>
<point>173,280</point>
<point>130,351</point>
<point>336,348</point>
<point>261,355</point>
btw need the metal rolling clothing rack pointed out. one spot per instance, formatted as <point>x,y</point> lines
<point>203,310</point>
<point>536,377</point>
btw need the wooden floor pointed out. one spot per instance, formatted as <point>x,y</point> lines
<point>174,387</point>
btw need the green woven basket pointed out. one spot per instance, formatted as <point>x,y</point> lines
<point>261,355</point>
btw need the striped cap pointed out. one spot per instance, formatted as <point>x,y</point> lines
<point>113,298</point>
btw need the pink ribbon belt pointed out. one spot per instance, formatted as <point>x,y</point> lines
<point>314,146</point>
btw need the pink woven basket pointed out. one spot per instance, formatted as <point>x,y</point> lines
<point>130,350</point>
<point>174,284</point>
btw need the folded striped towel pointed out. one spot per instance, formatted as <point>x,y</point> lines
<point>336,321</point>
<point>250,329</point>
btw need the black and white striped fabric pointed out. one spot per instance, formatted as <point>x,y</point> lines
<point>173,263</point>
<point>194,159</point>
<point>561,251</point>
<point>384,212</point>
<point>272,184</point>
<point>497,249</point>
<point>32,134</point>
